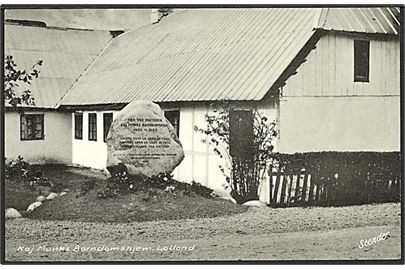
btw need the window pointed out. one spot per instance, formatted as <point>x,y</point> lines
<point>78,126</point>
<point>32,127</point>
<point>107,121</point>
<point>92,127</point>
<point>174,119</point>
<point>361,60</point>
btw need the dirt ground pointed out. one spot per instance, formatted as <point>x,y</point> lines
<point>312,233</point>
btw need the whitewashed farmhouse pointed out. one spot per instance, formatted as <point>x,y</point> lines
<point>330,77</point>
<point>43,134</point>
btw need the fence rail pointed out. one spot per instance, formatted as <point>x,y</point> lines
<point>287,190</point>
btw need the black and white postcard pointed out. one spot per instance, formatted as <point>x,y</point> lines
<point>202,134</point>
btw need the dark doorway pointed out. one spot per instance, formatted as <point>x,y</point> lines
<point>241,135</point>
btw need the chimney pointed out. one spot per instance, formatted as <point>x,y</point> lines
<point>116,33</point>
<point>158,13</point>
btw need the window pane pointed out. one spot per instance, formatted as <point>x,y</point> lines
<point>79,126</point>
<point>174,119</point>
<point>361,60</point>
<point>38,134</point>
<point>107,121</point>
<point>92,127</point>
<point>23,130</point>
<point>32,127</point>
<point>29,122</point>
<point>38,119</point>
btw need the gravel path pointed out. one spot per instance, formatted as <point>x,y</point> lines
<point>250,235</point>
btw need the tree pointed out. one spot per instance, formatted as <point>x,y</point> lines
<point>15,78</point>
<point>242,174</point>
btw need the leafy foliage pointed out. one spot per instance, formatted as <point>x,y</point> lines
<point>109,190</point>
<point>21,171</point>
<point>121,182</point>
<point>242,174</point>
<point>14,78</point>
<point>87,186</point>
<point>200,189</point>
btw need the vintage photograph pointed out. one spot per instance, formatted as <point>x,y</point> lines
<point>186,134</point>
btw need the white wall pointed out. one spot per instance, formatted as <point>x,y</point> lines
<point>323,109</point>
<point>201,163</point>
<point>329,69</point>
<point>90,153</point>
<point>339,124</point>
<point>56,146</point>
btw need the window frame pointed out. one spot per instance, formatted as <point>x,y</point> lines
<point>105,130</point>
<point>358,50</point>
<point>23,127</point>
<point>92,125</point>
<point>76,115</point>
<point>176,113</point>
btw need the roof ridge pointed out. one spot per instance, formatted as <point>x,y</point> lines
<point>83,73</point>
<point>152,24</point>
<point>43,25</point>
<point>370,20</point>
<point>58,104</point>
<point>322,18</point>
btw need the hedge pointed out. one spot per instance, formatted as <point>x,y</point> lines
<point>350,177</point>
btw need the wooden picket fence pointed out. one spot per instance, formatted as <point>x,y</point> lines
<point>294,190</point>
<point>287,190</point>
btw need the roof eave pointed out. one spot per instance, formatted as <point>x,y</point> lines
<point>298,60</point>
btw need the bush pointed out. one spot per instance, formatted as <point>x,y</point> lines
<point>57,187</point>
<point>246,164</point>
<point>350,177</point>
<point>87,186</point>
<point>20,170</point>
<point>109,190</point>
<point>201,190</point>
<point>121,181</point>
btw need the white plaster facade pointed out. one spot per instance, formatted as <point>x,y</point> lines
<point>56,147</point>
<point>90,153</point>
<point>200,163</point>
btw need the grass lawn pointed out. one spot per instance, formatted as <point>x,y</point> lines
<point>149,205</point>
<point>19,195</point>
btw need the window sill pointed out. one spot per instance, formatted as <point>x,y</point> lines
<point>361,79</point>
